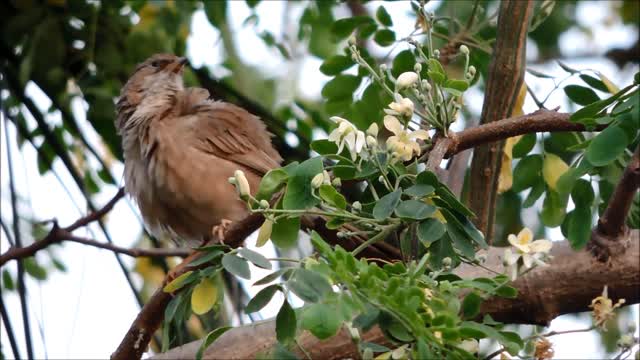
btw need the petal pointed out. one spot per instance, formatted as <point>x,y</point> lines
<point>419,134</point>
<point>415,148</point>
<point>338,119</point>
<point>350,139</point>
<point>513,240</point>
<point>528,260</point>
<point>525,236</point>
<point>393,125</point>
<point>360,140</point>
<point>513,269</point>
<point>334,136</point>
<point>541,246</point>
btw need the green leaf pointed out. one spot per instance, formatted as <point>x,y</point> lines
<point>7,280</point>
<point>386,205</point>
<point>255,258</point>
<point>341,87</point>
<point>383,16</point>
<point>419,190</point>
<point>284,233</point>
<point>527,172</point>
<point>321,320</point>
<point>210,338</point>
<point>336,64</point>
<point>414,209</point>
<point>581,95</point>
<point>180,281</point>
<point>286,323</point>
<point>329,194</point>
<point>539,74</point>
<point>536,191</point>
<point>273,276</point>
<point>507,291</point>
<point>430,230</point>
<point>271,183</point>
<point>471,305</point>
<point>237,266</point>
<point>553,209</point>
<point>594,83</point>
<point>308,285</point>
<point>342,28</point>
<point>607,146</point>
<point>436,67</point>
<point>591,110</point>
<point>459,85</point>
<point>206,258</point>
<point>579,230</point>
<point>216,12</point>
<point>582,194</point>
<point>524,146</point>
<point>261,299</point>
<point>34,269</point>
<point>384,37</point>
<point>299,194</point>
<point>566,68</point>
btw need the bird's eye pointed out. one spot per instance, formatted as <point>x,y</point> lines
<point>155,63</point>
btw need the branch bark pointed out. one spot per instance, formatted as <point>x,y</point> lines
<point>506,74</point>
<point>543,294</point>
<point>611,235</point>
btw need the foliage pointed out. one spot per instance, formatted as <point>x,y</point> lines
<point>83,51</point>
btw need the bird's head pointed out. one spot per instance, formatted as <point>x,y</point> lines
<point>157,73</point>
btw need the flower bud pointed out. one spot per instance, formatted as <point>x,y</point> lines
<point>472,70</point>
<point>243,185</point>
<point>383,67</point>
<point>317,181</point>
<point>354,57</point>
<point>417,67</point>
<point>232,181</point>
<point>326,178</point>
<point>352,40</point>
<point>356,205</point>
<point>264,204</point>
<point>373,130</point>
<point>336,182</point>
<point>446,262</point>
<point>436,53</point>
<point>367,354</point>
<point>406,80</point>
<point>426,85</point>
<point>464,49</point>
<point>371,142</point>
<point>626,341</point>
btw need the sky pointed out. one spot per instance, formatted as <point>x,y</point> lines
<point>85,311</point>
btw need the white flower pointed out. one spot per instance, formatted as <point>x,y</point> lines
<point>406,80</point>
<point>531,252</point>
<point>347,133</point>
<point>242,185</point>
<point>470,345</point>
<point>402,106</point>
<point>403,143</point>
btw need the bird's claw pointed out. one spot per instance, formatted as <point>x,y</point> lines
<point>219,230</point>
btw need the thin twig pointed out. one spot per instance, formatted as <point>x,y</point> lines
<point>22,290</point>
<point>7,326</point>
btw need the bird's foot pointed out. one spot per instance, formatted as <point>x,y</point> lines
<point>179,269</point>
<point>219,230</point>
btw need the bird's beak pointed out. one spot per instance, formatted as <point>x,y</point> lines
<point>179,64</point>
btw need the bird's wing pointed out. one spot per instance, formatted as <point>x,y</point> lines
<point>227,131</point>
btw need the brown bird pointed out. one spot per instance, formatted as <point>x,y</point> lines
<point>180,148</point>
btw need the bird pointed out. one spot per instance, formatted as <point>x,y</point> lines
<point>180,148</point>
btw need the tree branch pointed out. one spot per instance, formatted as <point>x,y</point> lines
<point>611,235</point>
<point>506,74</point>
<point>543,294</point>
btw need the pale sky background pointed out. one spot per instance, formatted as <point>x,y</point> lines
<point>85,312</point>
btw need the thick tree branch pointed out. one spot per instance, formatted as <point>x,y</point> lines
<point>568,285</point>
<point>611,235</point>
<point>506,74</point>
